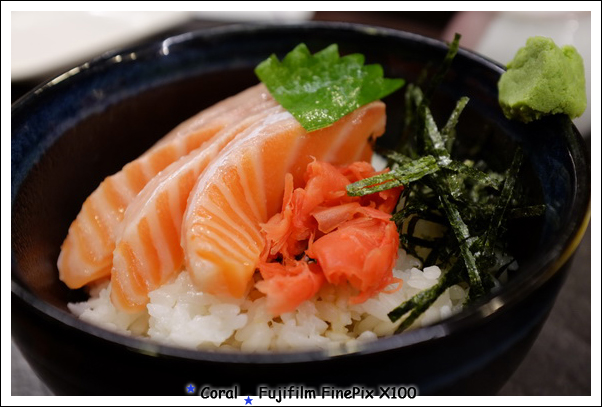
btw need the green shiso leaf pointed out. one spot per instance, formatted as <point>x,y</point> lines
<point>319,89</point>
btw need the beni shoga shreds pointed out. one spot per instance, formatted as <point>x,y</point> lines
<point>261,223</point>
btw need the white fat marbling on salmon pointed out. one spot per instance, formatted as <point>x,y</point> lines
<point>86,254</point>
<point>207,253</point>
<point>160,205</point>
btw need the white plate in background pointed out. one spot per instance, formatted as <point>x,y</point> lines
<point>43,42</point>
<point>47,42</point>
<point>259,15</point>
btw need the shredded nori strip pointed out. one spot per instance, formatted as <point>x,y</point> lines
<point>396,157</point>
<point>409,172</point>
<point>468,201</point>
<point>463,234</point>
<point>434,82</point>
<point>506,195</point>
<point>424,299</point>
<point>473,173</point>
<point>449,130</point>
<point>526,212</point>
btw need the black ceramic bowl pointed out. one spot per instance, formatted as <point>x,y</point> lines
<point>71,132</point>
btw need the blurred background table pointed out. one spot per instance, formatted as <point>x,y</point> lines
<point>560,361</point>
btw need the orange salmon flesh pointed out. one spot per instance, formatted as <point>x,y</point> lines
<point>241,187</point>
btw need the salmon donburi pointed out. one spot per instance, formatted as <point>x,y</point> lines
<point>267,221</point>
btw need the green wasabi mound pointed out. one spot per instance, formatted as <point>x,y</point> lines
<point>543,80</point>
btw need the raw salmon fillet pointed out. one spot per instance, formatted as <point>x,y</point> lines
<point>87,252</point>
<point>148,251</point>
<point>244,186</point>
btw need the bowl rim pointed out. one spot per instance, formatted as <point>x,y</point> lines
<point>567,241</point>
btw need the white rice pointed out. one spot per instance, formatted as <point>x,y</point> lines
<point>180,315</point>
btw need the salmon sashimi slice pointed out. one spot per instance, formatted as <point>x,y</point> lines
<point>346,240</point>
<point>148,251</point>
<point>244,187</point>
<point>87,252</point>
